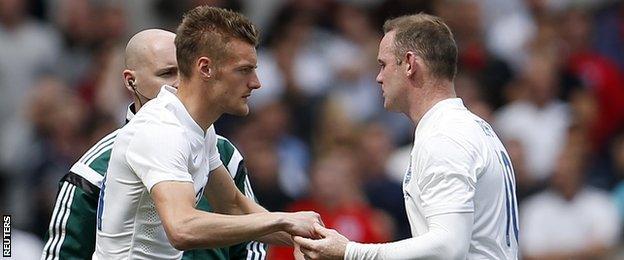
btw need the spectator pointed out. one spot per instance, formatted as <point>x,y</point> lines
<point>569,220</point>
<point>28,50</point>
<point>336,194</point>
<point>539,120</point>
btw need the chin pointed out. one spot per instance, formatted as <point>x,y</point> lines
<point>390,107</point>
<point>387,105</point>
<point>240,111</point>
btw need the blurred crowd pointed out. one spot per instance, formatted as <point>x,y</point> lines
<point>547,74</point>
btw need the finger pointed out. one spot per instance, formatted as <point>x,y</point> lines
<point>324,232</point>
<point>321,220</point>
<point>304,243</point>
<point>309,254</point>
<point>297,253</point>
<point>306,252</point>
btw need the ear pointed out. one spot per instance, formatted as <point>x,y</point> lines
<point>412,61</point>
<point>128,75</point>
<point>204,70</point>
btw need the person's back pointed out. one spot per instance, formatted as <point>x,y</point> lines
<point>450,125</point>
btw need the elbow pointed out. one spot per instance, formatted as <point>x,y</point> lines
<point>181,240</point>
<point>456,253</point>
<point>181,235</point>
<point>454,250</point>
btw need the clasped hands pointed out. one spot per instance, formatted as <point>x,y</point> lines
<point>314,241</point>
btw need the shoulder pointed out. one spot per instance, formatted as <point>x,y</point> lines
<point>103,145</point>
<point>224,142</point>
<point>147,133</point>
<point>442,153</point>
<point>155,118</point>
<point>229,155</point>
<point>452,136</point>
<point>225,147</point>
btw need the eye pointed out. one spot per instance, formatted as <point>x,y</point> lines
<point>167,73</point>
<point>246,70</point>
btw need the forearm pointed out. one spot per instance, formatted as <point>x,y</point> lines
<point>277,238</point>
<point>247,206</point>
<point>448,238</point>
<point>204,229</point>
<point>225,198</point>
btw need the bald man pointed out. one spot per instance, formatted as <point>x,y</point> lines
<point>150,63</point>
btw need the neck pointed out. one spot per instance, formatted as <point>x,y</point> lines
<point>137,104</point>
<point>197,102</point>
<point>432,93</point>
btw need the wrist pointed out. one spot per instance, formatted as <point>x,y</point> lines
<point>280,222</point>
<point>350,250</point>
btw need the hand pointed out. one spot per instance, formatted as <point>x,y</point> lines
<point>332,245</point>
<point>302,223</point>
<point>297,254</point>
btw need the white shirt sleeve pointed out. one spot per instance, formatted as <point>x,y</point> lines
<point>159,152</point>
<point>445,177</point>
<point>448,238</point>
<point>214,158</point>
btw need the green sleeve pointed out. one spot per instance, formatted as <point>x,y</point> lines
<point>71,234</point>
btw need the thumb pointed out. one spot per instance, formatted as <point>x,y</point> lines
<point>303,242</point>
<point>324,232</point>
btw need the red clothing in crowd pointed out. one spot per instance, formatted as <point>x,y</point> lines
<point>358,222</point>
<point>602,76</point>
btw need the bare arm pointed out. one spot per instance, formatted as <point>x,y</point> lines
<point>225,198</point>
<point>188,228</point>
<point>222,193</point>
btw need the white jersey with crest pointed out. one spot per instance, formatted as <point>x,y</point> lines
<point>161,143</point>
<point>459,165</point>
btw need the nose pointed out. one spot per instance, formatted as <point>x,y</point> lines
<point>379,78</point>
<point>176,82</point>
<point>255,82</point>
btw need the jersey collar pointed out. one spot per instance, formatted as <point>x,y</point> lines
<point>449,103</point>
<point>185,118</point>
<point>130,112</point>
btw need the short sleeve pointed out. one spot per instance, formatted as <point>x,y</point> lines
<point>214,159</point>
<point>159,153</point>
<point>446,177</point>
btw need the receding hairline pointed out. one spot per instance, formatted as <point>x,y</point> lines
<point>141,44</point>
<point>401,21</point>
<point>429,37</point>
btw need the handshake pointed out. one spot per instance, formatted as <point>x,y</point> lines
<point>311,239</point>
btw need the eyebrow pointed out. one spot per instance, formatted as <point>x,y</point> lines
<point>247,66</point>
<point>168,68</point>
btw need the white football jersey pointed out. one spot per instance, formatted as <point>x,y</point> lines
<point>161,143</point>
<point>459,165</point>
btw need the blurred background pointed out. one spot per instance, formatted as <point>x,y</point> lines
<point>547,74</point>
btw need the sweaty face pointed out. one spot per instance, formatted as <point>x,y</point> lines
<point>389,76</point>
<point>159,68</point>
<point>236,78</point>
